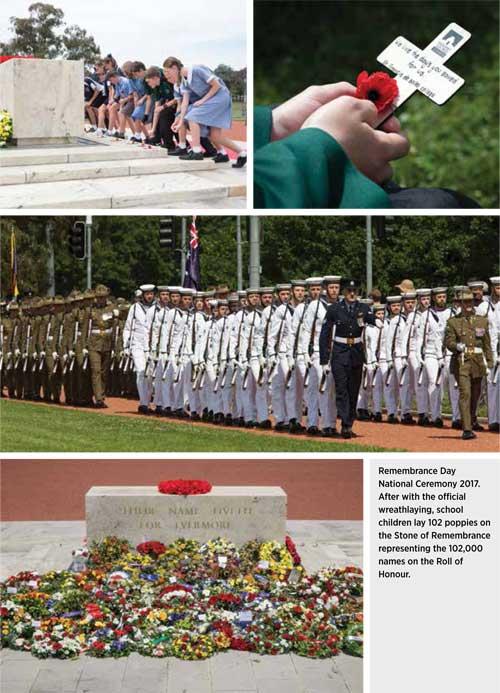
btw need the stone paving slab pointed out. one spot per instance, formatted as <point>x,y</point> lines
<point>47,545</point>
<point>112,193</point>
<point>44,173</point>
<point>73,154</point>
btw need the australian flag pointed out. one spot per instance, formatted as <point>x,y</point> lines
<point>192,275</point>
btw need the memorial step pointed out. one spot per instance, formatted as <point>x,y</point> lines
<point>73,154</point>
<point>46,173</point>
<point>120,192</point>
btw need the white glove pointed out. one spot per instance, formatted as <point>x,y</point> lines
<point>126,352</point>
<point>233,363</point>
<point>291,362</point>
<point>85,352</point>
<point>42,354</point>
<point>17,352</point>
<point>327,369</point>
<point>460,347</point>
<point>308,359</point>
<point>71,353</point>
<point>55,355</point>
<point>262,361</point>
<point>498,360</point>
<point>370,367</point>
<point>271,362</point>
<point>488,372</point>
<point>404,361</point>
<point>146,355</point>
<point>9,354</point>
<point>243,364</point>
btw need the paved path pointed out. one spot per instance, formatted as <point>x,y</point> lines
<point>46,545</point>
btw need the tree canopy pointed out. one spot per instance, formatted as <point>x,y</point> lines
<point>43,34</point>
<point>455,146</point>
<point>126,251</point>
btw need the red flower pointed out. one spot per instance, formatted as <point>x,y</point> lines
<point>98,645</point>
<point>223,627</point>
<point>292,550</point>
<point>57,646</point>
<point>154,548</point>
<point>184,487</point>
<point>378,87</point>
<point>241,644</point>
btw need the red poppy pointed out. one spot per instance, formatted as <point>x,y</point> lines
<point>378,87</point>
<point>292,550</point>
<point>241,644</point>
<point>151,548</point>
<point>184,487</point>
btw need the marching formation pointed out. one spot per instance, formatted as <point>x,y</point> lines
<point>307,353</point>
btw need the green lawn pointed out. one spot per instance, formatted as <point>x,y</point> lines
<point>29,427</point>
<point>238,110</point>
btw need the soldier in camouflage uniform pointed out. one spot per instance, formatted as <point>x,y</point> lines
<point>97,334</point>
<point>51,342</point>
<point>468,339</point>
<point>10,347</point>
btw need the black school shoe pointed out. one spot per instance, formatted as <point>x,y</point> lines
<point>281,427</point>
<point>407,420</point>
<point>423,420</point>
<point>195,417</point>
<point>468,435</point>
<point>240,162</point>
<point>100,404</point>
<point>346,432</point>
<point>363,415</point>
<point>210,150</point>
<point>220,158</point>
<point>158,411</point>
<point>457,425</point>
<point>313,431</point>
<point>494,428</point>
<point>377,417</point>
<point>177,151</point>
<point>392,419</point>
<point>142,409</point>
<point>438,423</point>
<point>477,426</point>
<point>192,156</point>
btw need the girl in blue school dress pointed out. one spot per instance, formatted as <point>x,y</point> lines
<point>206,101</point>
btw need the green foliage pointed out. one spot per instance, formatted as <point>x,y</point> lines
<point>41,428</point>
<point>236,80</point>
<point>126,252</point>
<point>40,35</point>
<point>454,146</point>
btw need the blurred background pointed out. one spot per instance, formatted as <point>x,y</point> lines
<point>126,251</point>
<point>298,43</point>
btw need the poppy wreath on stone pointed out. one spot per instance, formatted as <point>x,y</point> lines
<point>184,487</point>
<point>379,88</point>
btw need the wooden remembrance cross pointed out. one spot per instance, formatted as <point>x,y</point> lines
<point>423,70</point>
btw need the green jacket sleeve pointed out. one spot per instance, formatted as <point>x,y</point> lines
<point>308,170</point>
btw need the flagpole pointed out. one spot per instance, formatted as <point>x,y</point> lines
<point>183,249</point>
<point>239,259</point>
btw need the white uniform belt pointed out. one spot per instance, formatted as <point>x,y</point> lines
<point>108,330</point>
<point>348,340</point>
<point>473,350</point>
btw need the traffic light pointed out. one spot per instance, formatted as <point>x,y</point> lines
<point>77,240</point>
<point>166,233</point>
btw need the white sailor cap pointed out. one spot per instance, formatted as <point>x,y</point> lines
<point>475,284</point>
<point>147,287</point>
<point>332,279</point>
<point>283,287</point>
<point>162,287</point>
<point>199,294</point>
<point>174,289</point>
<point>213,303</point>
<point>394,299</point>
<point>251,290</point>
<point>298,282</point>
<point>137,293</point>
<point>233,298</point>
<point>440,290</point>
<point>186,291</point>
<point>423,292</point>
<point>266,290</point>
<point>222,302</point>
<point>242,293</point>
<point>378,306</point>
<point>366,301</point>
<point>314,281</point>
<point>495,281</point>
<point>459,288</point>
<point>408,295</point>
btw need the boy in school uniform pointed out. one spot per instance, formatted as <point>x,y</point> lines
<point>138,70</point>
<point>160,106</point>
<point>122,93</point>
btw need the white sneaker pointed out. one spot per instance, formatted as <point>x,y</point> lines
<point>99,132</point>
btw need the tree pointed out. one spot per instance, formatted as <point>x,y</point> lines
<point>40,35</point>
<point>234,79</point>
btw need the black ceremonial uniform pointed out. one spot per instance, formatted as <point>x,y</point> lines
<point>347,357</point>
